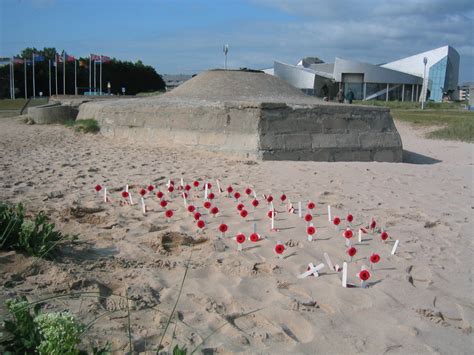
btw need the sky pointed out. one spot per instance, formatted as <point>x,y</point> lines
<point>187,36</point>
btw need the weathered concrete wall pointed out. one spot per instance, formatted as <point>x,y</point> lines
<point>270,131</point>
<point>52,113</point>
<point>329,133</point>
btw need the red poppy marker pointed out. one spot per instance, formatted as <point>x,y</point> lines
<point>254,237</point>
<point>211,196</point>
<point>255,203</point>
<point>240,206</point>
<point>248,191</point>
<point>98,188</point>
<point>349,218</point>
<point>196,183</point>
<point>170,188</point>
<point>374,259</point>
<point>197,216</point>
<point>240,239</point>
<point>384,236</point>
<point>308,217</point>
<point>336,221</point>
<point>270,214</point>
<point>142,192</point>
<point>201,224</point>
<point>311,205</point>
<point>191,208</point>
<point>363,275</point>
<point>223,228</point>
<point>124,194</point>
<point>279,249</point>
<point>283,198</point>
<point>243,213</point>
<point>348,234</point>
<point>163,203</point>
<point>230,189</point>
<point>207,205</point>
<point>373,224</point>
<point>351,252</point>
<point>236,195</point>
<point>214,211</point>
<point>269,198</point>
<point>310,232</point>
<point>169,214</point>
<point>150,188</point>
<point>187,187</point>
<point>159,194</point>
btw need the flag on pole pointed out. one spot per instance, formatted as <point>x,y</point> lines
<point>69,58</point>
<point>39,58</point>
<point>18,60</point>
<point>59,58</point>
<point>95,57</point>
<point>106,59</point>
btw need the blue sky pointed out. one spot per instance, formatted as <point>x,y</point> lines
<point>184,36</point>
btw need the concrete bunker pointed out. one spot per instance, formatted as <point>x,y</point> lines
<point>253,115</point>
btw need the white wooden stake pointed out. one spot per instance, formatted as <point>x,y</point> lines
<point>344,274</point>
<point>310,237</point>
<point>182,182</point>
<point>205,191</point>
<point>184,200</point>
<point>328,261</point>
<point>126,188</point>
<point>239,247</point>
<point>300,212</point>
<point>130,198</point>
<point>273,219</point>
<point>254,194</point>
<point>218,185</point>
<point>143,206</point>
<point>105,194</point>
<point>329,213</point>
<point>360,236</point>
<point>395,247</point>
<point>255,227</point>
<point>348,243</point>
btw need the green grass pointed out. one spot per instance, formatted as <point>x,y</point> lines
<point>453,124</point>
<point>88,125</point>
<point>18,104</point>
<point>407,105</point>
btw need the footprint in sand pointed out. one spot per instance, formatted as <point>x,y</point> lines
<point>419,276</point>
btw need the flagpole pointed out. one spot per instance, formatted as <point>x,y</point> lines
<point>11,87</point>
<point>34,84</point>
<point>75,77</point>
<point>56,72</point>
<point>49,69</point>
<point>26,87</point>
<point>64,72</point>
<point>100,84</point>
<point>90,72</point>
<point>95,76</point>
<point>13,78</point>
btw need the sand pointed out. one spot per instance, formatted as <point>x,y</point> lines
<point>418,300</point>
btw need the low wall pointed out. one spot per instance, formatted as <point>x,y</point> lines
<point>52,113</point>
<point>269,131</point>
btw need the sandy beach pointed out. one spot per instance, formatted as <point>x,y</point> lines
<point>419,301</point>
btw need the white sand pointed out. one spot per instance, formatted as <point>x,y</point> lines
<point>419,301</point>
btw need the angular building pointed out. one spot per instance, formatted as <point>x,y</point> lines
<point>398,80</point>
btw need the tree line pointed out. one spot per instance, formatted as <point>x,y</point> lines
<point>134,77</point>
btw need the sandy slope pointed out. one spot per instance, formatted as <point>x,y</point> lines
<point>420,300</point>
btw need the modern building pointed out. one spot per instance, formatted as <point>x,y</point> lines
<point>398,80</point>
<point>464,91</point>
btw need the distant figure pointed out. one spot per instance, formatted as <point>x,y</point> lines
<point>350,96</point>
<point>340,96</point>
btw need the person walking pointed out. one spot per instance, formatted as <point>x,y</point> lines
<point>340,96</point>
<point>350,96</point>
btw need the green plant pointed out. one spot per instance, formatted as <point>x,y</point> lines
<point>24,336</point>
<point>48,333</point>
<point>60,333</point>
<point>88,125</point>
<point>179,351</point>
<point>36,237</point>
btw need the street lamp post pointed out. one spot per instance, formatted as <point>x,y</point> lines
<point>226,49</point>
<point>424,91</point>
